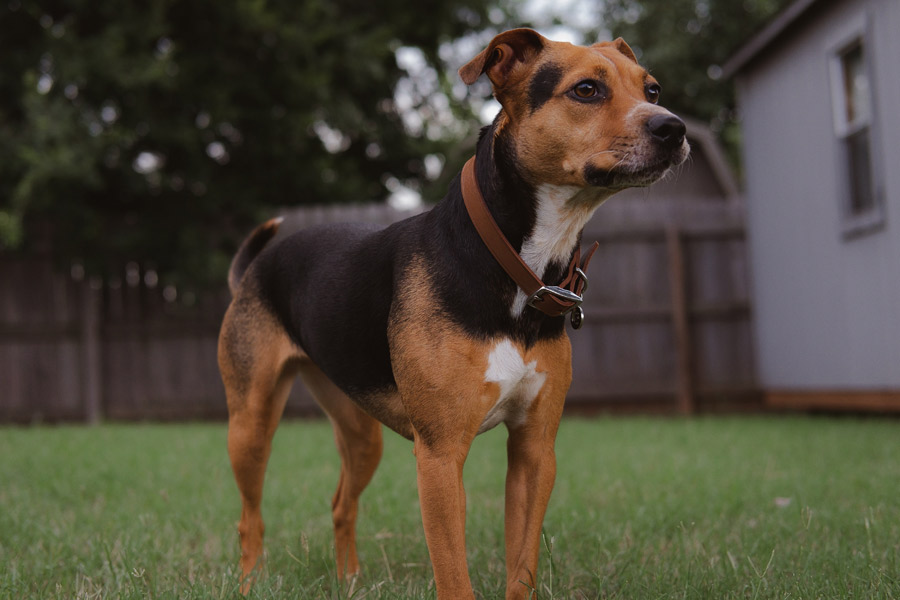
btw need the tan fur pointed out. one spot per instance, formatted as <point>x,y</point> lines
<point>440,373</point>
<point>358,439</point>
<point>557,142</point>
<point>562,137</point>
<point>258,363</point>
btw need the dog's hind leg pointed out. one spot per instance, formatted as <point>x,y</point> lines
<point>358,439</point>
<point>258,367</point>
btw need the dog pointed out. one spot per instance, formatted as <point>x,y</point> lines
<point>422,326</point>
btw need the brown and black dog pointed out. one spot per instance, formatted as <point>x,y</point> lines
<point>416,326</point>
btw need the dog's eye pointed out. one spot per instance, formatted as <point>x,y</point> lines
<point>586,89</point>
<point>652,91</point>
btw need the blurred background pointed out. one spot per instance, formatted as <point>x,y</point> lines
<point>139,142</point>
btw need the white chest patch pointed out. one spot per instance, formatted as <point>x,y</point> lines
<point>562,212</point>
<point>519,384</point>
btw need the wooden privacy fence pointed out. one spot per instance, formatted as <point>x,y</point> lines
<point>81,350</point>
<point>42,341</point>
<point>667,325</point>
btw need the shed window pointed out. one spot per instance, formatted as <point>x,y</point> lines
<point>852,89</point>
<point>856,138</point>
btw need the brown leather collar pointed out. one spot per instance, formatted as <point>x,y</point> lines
<point>554,301</point>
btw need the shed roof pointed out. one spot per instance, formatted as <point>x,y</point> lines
<point>762,40</point>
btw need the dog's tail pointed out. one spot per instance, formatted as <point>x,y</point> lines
<point>249,249</point>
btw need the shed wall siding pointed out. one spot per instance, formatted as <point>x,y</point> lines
<point>827,308</point>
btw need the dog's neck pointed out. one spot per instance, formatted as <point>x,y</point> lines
<point>543,222</point>
<point>470,283</point>
<point>511,200</point>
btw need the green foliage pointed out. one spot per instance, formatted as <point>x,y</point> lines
<point>159,132</point>
<point>684,43</point>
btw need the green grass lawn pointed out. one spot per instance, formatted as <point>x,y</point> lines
<point>643,508</point>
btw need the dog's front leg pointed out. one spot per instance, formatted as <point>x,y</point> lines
<point>443,500</point>
<point>529,481</point>
<point>531,470</point>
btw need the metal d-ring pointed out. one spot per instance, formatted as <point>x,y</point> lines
<point>576,317</point>
<point>584,278</point>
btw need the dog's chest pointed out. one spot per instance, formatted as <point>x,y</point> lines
<point>562,212</point>
<point>519,382</point>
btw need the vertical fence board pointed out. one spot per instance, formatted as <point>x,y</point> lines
<point>91,367</point>
<point>683,344</point>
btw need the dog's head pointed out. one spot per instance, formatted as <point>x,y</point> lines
<point>579,116</point>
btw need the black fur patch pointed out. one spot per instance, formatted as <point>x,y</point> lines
<point>331,288</point>
<point>543,85</point>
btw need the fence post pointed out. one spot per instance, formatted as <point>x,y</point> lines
<point>91,367</point>
<point>685,395</point>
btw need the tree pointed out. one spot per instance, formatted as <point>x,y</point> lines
<point>684,43</point>
<point>159,132</point>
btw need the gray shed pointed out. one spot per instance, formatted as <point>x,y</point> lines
<point>819,89</point>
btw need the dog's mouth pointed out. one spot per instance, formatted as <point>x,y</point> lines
<point>628,174</point>
<point>620,179</point>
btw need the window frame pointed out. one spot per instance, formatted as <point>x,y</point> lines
<point>857,32</point>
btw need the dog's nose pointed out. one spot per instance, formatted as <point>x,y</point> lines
<point>667,130</point>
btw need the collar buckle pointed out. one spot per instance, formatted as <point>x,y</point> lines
<point>557,292</point>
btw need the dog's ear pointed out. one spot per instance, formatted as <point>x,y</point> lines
<point>505,52</point>
<point>624,48</point>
